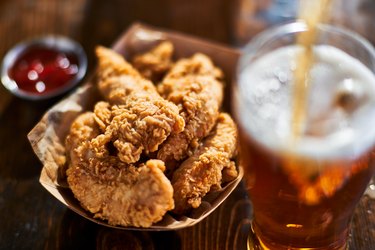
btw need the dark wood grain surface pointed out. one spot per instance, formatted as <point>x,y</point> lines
<point>30,218</point>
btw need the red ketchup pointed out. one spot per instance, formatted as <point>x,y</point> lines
<point>40,70</point>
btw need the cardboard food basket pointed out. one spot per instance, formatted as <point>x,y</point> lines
<point>48,136</point>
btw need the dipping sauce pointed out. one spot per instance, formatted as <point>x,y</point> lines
<point>43,67</point>
<point>40,70</point>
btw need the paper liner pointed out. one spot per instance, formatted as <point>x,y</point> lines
<point>48,136</point>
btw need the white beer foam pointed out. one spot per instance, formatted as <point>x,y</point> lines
<point>264,103</point>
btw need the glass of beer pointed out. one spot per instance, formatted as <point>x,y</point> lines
<point>304,190</point>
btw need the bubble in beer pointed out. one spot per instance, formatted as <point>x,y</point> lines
<point>350,95</point>
<point>281,76</point>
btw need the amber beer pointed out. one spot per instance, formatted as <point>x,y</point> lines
<point>304,192</point>
<point>282,219</point>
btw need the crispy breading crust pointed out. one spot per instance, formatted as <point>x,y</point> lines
<point>203,171</point>
<point>195,86</point>
<point>136,118</point>
<point>154,64</point>
<point>123,194</point>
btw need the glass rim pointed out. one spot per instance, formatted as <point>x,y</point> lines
<point>299,26</point>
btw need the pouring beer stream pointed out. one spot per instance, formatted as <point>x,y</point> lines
<point>311,13</point>
<point>312,185</point>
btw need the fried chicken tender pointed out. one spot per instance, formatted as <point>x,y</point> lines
<point>82,130</point>
<point>208,167</point>
<point>154,64</point>
<point>195,86</point>
<point>136,118</point>
<point>121,193</point>
<point>117,79</point>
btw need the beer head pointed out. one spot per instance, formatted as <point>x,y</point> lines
<point>340,112</point>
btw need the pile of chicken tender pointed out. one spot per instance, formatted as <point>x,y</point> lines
<point>156,143</point>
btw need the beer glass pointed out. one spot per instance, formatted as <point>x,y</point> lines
<point>304,191</point>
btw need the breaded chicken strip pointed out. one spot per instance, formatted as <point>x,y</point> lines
<point>208,167</point>
<point>195,86</point>
<point>153,65</point>
<point>110,189</point>
<point>136,118</point>
<point>83,129</point>
<point>117,79</point>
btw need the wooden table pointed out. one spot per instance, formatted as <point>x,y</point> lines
<point>30,218</point>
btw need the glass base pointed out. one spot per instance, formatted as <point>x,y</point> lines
<point>255,243</point>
